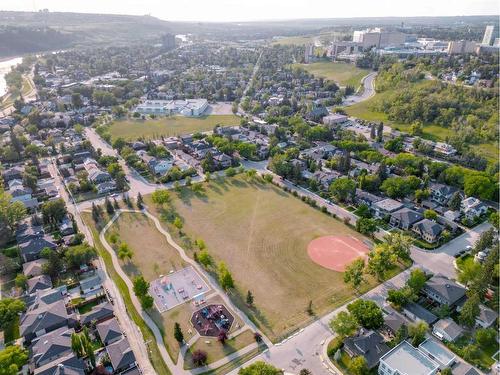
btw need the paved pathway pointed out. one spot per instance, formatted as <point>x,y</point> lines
<point>368,91</point>
<point>177,369</point>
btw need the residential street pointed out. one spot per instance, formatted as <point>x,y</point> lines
<point>305,347</point>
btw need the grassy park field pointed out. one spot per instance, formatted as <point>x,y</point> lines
<point>262,233</point>
<point>130,129</point>
<point>294,40</point>
<point>153,256</point>
<point>215,350</point>
<point>342,73</point>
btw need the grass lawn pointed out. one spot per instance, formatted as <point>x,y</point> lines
<point>294,40</point>
<point>87,307</point>
<point>154,354</point>
<point>342,73</point>
<point>485,360</point>
<point>462,261</point>
<point>153,256</point>
<point>216,350</point>
<point>237,362</point>
<point>487,150</point>
<point>168,126</point>
<point>262,233</point>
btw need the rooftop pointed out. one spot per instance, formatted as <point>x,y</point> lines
<point>408,360</point>
<point>438,352</point>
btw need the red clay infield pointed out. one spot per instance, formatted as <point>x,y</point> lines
<point>336,252</point>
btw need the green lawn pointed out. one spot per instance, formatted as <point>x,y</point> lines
<point>11,332</point>
<point>216,350</point>
<point>342,73</point>
<point>293,40</point>
<point>130,129</point>
<point>262,233</point>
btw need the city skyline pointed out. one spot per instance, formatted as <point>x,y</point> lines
<point>260,10</point>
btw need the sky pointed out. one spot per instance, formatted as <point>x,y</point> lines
<point>254,10</point>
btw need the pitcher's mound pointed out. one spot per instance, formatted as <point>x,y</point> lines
<point>336,252</point>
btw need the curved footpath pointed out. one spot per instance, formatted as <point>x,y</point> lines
<point>176,369</point>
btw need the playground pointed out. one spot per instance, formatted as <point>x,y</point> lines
<point>212,319</point>
<point>336,252</point>
<point>178,287</point>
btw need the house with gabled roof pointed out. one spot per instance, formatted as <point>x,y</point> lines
<point>109,331</point>
<point>51,346</point>
<point>368,344</point>
<point>405,218</point>
<point>67,365</point>
<point>121,355</point>
<point>444,291</point>
<point>429,230</point>
<point>40,282</point>
<point>31,249</point>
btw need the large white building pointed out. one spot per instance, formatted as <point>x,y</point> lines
<point>187,107</point>
<point>378,38</point>
<point>488,35</point>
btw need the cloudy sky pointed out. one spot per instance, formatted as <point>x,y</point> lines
<point>250,10</point>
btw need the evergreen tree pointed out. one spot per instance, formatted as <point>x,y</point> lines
<point>140,201</point>
<point>109,206</point>
<point>380,132</point>
<point>373,132</point>
<point>179,336</point>
<point>249,298</point>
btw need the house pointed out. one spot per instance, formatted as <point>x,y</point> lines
<point>28,229</point>
<point>405,218</point>
<point>14,173</point>
<point>99,313</point>
<point>393,322</point>
<point>34,268</point>
<point>463,368</point>
<point>51,346</point>
<point>416,312</point>
<point>31,249</point>
<point>38,283</point>
<point>109,331</point>
<point>121,355</point>
<point>405,359</point>
<point>472,208</point>
<point>487,317</point>
<point>66,226</point>
<point>91,285</point>
<point>159,166</point>
<point>441,193</point>
<point>444,291</point>
<point>20,193</point>
<point>222,160</point>
<point>97,176</point>
<point>106,187</point>
<point>386,207</point>
<point>364,197</point>
<point>438,352</point>
<point>369,345</point>
<point>46,312</point>
<point>447,329</point>
<point>444,149</point>
<point>67,365</point>
<point>325,178</point>
<point>429,230</point>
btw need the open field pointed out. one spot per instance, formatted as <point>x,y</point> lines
<point>262,233</point>
<point>130,129</point>
<point>216,350</point>
<point>342,73</point>
<point>153,256</point>
<point>155,356</point>
<point>294,40</point>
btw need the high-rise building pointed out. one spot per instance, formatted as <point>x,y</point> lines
<point>488,35</point>
<point>168,41</point>
<point>309,53</point>
<point>461,47</point>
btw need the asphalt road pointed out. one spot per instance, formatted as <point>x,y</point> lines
<point>368,92</point>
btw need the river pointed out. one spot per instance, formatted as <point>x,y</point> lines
<point>5,67</point>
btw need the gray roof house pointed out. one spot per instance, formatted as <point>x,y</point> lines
<point>447,329</point>
<point>28,230</point>
<point>31,249</point>
<point>429,230</point>
<point>67,365</point>
<point>121,355</point>
<point>91,284</point>
<point>34,268</point>
<point>44,314</point>
<point>444,291</point>
<point>51,346</point>
<point>416,312</point>
<point>405,218</point>
<point>99,313</point>
<point>486,317</point>
<point>369,344</point>
<point>109,331</point>
<point>39,283</point>
<point>442,193</point>
<point>393,322</point>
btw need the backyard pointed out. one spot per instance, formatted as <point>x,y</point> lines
<point>342,73</point>
<point>262,233</point>
<point>130,129</point>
